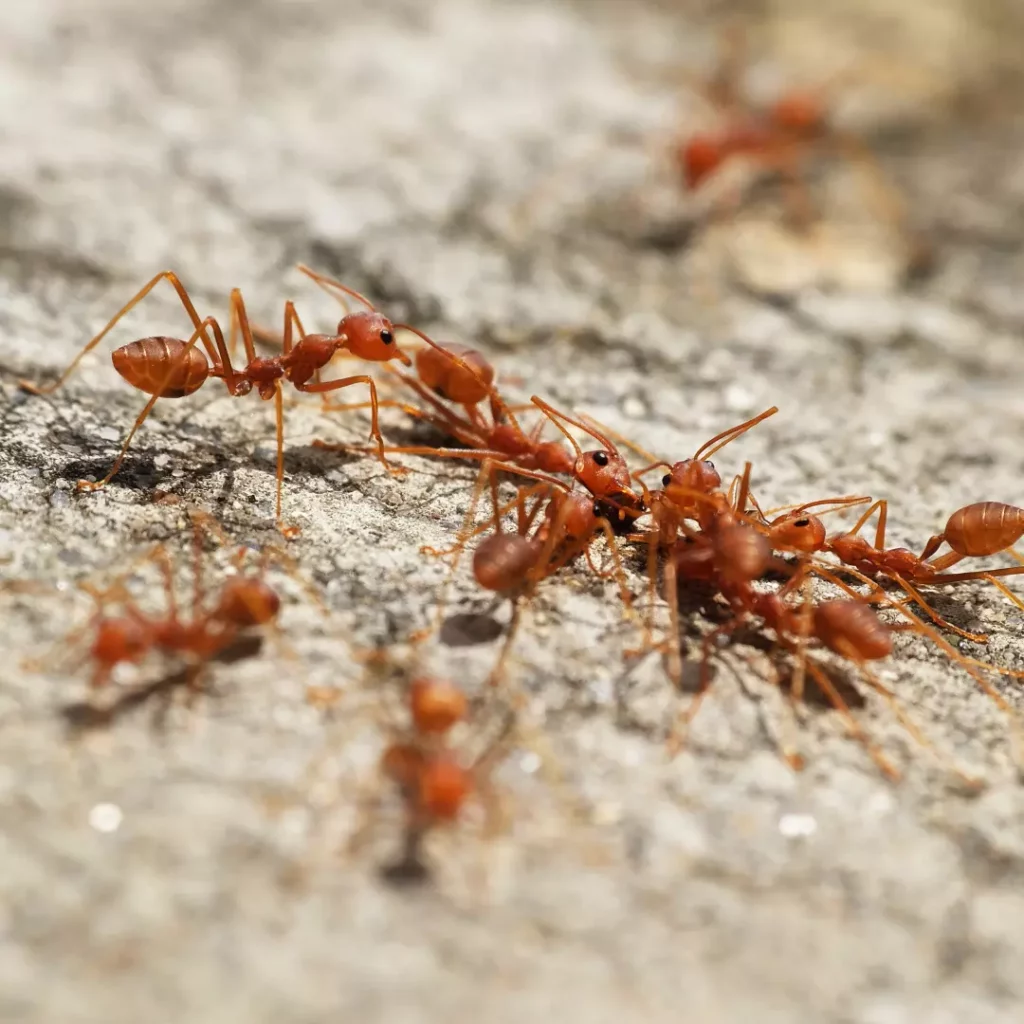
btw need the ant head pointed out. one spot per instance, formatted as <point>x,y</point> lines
<point>370,335</point>
<point>799,113</point>
<point>120,639</point>
<point>577,512</point>
<point>442,788</point>
<point>694,475</point>
<point>455,372</point>
<point>554,457</point>
<point>797,531</point>
<point>435,705</point>
<point>246,602</point>
<point>604,473</point>
<point>699,158</point>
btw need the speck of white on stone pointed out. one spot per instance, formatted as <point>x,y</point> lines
<point>797,826</point>
<point>106,818</point>
<point>737,398</point>
<point>633,408</point>
<point>529,762</point>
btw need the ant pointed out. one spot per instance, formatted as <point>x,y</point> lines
<point>734,557</point>
<point>512,564</point>
<point>691,489</point>
<point>171,368</point>
<point>464,376</point>
<point>985,528</point>
<point>778,137</point>
<point>435,780</point>
<point>245,602</point>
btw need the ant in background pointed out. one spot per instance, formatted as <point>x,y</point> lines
<point>215,627</point>
<point>781,137</point>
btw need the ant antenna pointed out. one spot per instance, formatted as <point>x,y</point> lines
<point>719,441</point>
<point>329,283</point>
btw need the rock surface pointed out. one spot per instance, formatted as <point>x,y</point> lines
<point>484,170</point>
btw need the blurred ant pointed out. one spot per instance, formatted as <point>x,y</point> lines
<point>211,630</point>
<point>778,138</point>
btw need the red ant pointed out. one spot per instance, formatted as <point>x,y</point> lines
<point>512,564</point>
<point>690,490</point>
<point>244,603</point>
<point>735,556</point>
<point>779,137</point>
<point>171,368</point>
<point>985,528</point>
<point>464,376</point>
<point>434,779</point>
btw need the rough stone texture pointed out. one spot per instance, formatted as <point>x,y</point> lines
<point>485,170</point>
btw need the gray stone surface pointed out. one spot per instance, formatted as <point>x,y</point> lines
<point>484,169</point>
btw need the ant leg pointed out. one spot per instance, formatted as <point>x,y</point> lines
<point>461,538</point>
<point>879,594</point>
<point>289,532</point>
<point>912,727</point>
<point>88,485</point>
<point>675,658</point>
<point>344,382</point>
<point>167,275</point>
<point>881,506</point>
<point>978,638</point>
<point>677,738</point>
<point>851,723</point>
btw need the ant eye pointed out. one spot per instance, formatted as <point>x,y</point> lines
<point>386,336</point>
<point>597,510</point>
<point>666,480</point>
<point>802,522</point>
<point>709,464</point>
<point>601,458</point>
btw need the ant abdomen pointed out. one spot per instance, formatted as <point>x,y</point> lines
<point>742,554</point>
<point>466,379</point>
<point>852,629</point>
<point>164,366</point>
<point>502,561</point>
<point>442,788</point>
<point>247,602</point>
<point>984,528</point>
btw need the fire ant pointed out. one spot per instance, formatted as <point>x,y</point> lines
<point>434,779</point>
<point>171,368</point>
<point>779,137</point>
<point>244,603</point>
<point>512,564</point>
<point>464,376</point>
<point>735,557</point>
<point>985,528</point>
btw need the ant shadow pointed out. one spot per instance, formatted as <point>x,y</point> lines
<point>86,716</point>
<point>408,870</point>
<point>470,629</point>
